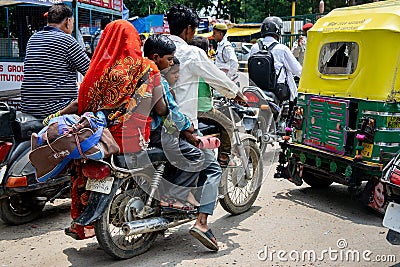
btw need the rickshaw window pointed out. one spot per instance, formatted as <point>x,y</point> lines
<point>338,58</point>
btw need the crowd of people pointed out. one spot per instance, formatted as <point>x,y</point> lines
<point>161,85</point>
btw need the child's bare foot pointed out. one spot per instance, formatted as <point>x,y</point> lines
<point>192,200</point>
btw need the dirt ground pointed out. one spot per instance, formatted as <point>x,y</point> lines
<point>287,226</point>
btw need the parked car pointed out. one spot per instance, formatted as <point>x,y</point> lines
<point>243,52</point>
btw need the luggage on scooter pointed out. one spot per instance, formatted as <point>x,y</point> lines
<point>70,137</point>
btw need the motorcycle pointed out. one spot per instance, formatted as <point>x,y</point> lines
<point>391,180</point>
<point>22,197</point>
<point>125,208</point>
<point>272,117</point>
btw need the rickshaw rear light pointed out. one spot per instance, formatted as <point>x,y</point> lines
<point>96,170</point>
<point>4,149</point>
<point>251,97</point>
<point>395,177</point>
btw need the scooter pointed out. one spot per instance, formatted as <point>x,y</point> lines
<point>124,204</point>
<point>22,197</point>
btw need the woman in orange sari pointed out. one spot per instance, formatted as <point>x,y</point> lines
<point>126,87</point>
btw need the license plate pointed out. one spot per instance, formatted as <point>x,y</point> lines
<point>393,122</point>
<point>392,217</point>
<point>102,186</point>
<point>367,151</point>
<point>2,172</point>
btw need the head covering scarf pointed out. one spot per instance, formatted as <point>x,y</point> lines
<point>113,82</point>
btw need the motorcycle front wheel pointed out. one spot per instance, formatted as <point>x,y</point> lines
<point>129,199</point>
<point>16,210</point>
<point>239,192</point>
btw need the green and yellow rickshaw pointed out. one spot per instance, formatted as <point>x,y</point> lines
<point>347,125</point>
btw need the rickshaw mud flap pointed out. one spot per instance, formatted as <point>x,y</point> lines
<point>322,173</point>
<point>362,165</point>
<point>97,204</point>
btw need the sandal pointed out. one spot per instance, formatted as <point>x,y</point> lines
<point>73,231</point>
<point>206,238</point>
<point>169,205</point>
<point>70,231</point>
<point>224,163</point>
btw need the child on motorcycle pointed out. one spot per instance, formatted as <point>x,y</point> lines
<point>165,132</point>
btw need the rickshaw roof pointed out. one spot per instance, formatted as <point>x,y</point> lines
<point>373,31</point>
<point>372,16</point>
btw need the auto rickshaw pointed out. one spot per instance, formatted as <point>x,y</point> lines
<point>347,123</point>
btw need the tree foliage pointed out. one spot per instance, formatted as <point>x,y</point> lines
<point>237,10</point>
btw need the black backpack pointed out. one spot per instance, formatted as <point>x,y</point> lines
<point>261,68</point>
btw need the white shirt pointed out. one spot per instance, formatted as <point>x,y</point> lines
<point>194,63</point>
<point>282,57</point>
<point>226,59</point>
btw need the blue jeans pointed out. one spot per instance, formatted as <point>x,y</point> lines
<point>186,161</point>
<point>208,181</point>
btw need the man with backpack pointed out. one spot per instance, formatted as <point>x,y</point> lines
<point>279,79</point>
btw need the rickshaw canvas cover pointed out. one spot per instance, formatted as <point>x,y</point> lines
<point>326,122</point>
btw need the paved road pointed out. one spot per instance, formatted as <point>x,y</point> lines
<point>285,223</point>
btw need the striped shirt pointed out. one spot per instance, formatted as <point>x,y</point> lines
<point>52,60</point>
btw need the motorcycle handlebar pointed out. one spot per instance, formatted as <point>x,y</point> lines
<point>241,109</point>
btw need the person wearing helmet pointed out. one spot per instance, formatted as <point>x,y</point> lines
<point>299,46</point>
<point>283,57</point>
<point>225,58</point>
<point>277,20</point>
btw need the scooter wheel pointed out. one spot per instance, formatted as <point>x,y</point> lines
<point>16,211</point>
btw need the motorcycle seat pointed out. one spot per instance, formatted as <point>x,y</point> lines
<point>207,129</point>
<point>24,125</point>
<point>140,159</point>
<point>272,95</point>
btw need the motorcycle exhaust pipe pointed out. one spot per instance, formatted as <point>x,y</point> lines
<point>145,226</point>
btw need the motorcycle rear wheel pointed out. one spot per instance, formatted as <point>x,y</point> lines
<point>108,227</point>
<point>261,125</point>
<point>15,210</point>
<point>240,193</point>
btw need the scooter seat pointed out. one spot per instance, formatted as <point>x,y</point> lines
<point>24,125</point>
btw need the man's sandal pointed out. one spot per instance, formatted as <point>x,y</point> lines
<point>205,238</point>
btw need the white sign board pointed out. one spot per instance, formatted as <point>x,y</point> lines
<point>11,75</point>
